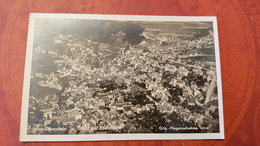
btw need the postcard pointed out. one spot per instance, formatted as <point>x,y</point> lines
<point>121,77</point>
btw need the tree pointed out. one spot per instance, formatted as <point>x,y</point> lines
<point>71,106</point>
<point>54,124</point>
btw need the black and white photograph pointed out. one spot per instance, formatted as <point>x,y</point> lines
<point>120,77</point>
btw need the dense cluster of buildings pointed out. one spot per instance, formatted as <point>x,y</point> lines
<point>129,88</point>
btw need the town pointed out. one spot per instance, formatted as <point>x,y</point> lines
<point>165,80</point>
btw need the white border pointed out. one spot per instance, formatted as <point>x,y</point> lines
<point>107,137</point>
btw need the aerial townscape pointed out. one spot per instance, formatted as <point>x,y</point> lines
<point>100,76</point>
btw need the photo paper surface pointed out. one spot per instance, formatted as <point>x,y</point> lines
<point>121,77</point>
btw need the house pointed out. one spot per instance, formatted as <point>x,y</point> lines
<point>80,105</point>
<point>149,106</point>
<point>77,45</point>
<point>101,107</point>
<point>90,107</point>
<point>75,115</point>
<point>116,106</point>
<point>127,127</point>
<point>72,131</point>
<point>119,106</point>
<point>126,108</point>
<point>47,122</point>
<point>47,113</point>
